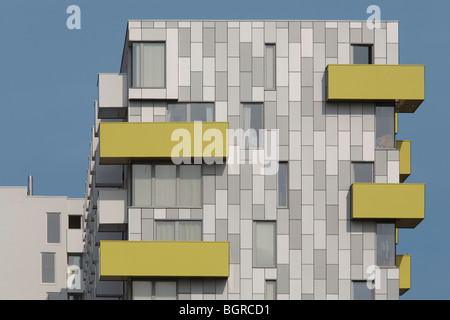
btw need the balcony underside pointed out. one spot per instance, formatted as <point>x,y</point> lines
<point>402,84</point>
<point>121,142</point>
<point>121,260</point>
<point>402,203</point>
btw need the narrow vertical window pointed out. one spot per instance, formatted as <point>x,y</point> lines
<point>282,184</point>
<point>48,267</point>
<point>270,67</point>
<point>252,124</point>
<point>362,172</point>
<point>362,291</point>
<point>386,244</point>
<point>271,290</point>
<point>385,126</point>
<point>361,54</point>
<point>190,186</point>
<point>141,188</point>
<point>165,185</point>
<point>265,235</point>
<point>53,228</point>
<point>149,65</point>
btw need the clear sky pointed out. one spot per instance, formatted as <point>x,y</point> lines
<point>49,82</point>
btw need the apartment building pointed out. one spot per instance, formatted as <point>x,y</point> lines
<point>42,246</point>
<point>252,160</point>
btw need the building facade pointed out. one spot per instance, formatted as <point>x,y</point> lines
<point>252,160</point>
<point>43,246</point>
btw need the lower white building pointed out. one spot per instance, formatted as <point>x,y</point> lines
<point>42,237</point>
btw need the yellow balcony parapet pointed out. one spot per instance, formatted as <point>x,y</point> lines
<point>403,84</point>
<point>124,259</point>
<point>402,203</point>
<point>403,263</point>
<point>121,142</point>
<point>404,146</point>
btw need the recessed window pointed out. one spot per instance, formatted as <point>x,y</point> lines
<point>75,260</point>
<point>385,126</point>
<point>183,230</point>
<point>386,244</point>
<point>154,290</point>
<point>283,184</point>
<point>149,65</point>
<point>189,112</point>
<point>74,222</point>
<point>53,227</point>
<point>48,267</point>
<point>271,290</point>
<point>270,67</point>
<point>362,172</point>
<point>362,290</point>
<point>361,54</point>
<point>264,244</point>
<point>166,185</point>
<point>252,124</point>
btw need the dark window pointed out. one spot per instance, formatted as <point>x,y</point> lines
<point>362,172</point>
<point>74,222</point>
<point>362,54</point>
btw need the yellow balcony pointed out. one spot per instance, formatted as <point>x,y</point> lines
<point>403,203</point>
<point>403,263</point>
<point>123,259</point>
<point>121,142</point>
<point>404,146</point>
<point>404,84</point>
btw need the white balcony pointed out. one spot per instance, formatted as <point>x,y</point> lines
<point>111,210</point>
<point>112,95</point>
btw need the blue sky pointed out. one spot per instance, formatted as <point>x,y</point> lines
<point>49,77</point>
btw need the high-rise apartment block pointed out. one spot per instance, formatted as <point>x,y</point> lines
<point>252,160</point>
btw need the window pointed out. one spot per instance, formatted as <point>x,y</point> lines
<point>264,246</point>
<point>361,54</point>
<point>271,290</point>
<point>74,296</point>
<point>270,67</point>
<point>166,185</point>
<point>53,228</point>
<point>187,230</point>
<point>189,112</point>
<point>74,222</point>
<point>282,184</point>
<point>252,123</point>
<point>362,172</point>
<point>75,260</point>
<point>142,185</point>
<point>149,65</point>
<point>362,290</point>
<point>154,290</point>
<point>385,126</point>
<point>48,267</point>
<point>386,244</point>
